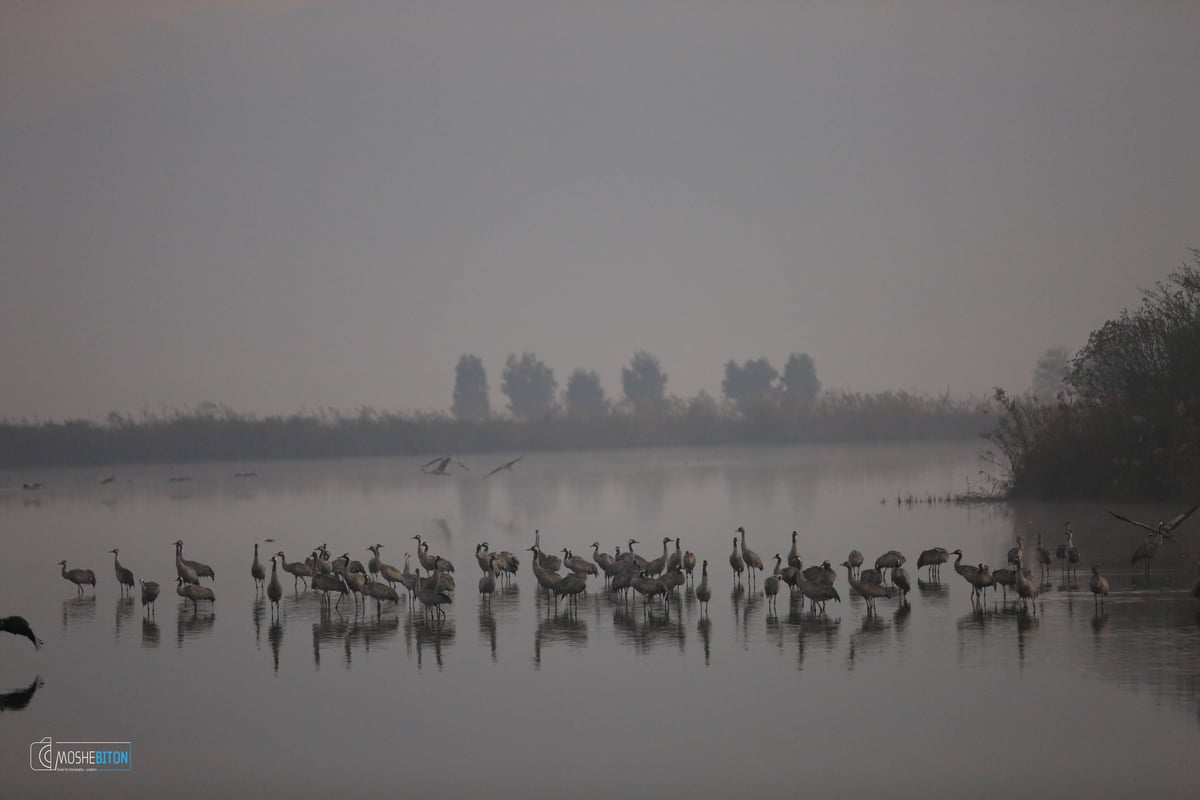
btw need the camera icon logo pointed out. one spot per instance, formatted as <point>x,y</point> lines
<point>41,755</point>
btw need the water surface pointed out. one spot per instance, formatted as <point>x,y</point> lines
<point>932,698</point>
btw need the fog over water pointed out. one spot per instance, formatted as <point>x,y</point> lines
<point>283,206</point>
<point>518,699</point>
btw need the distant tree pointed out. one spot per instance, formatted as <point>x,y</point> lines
<point>1050,374</point>
<point>584,396</point>
<point>800,384</point>
<point>751,382</point>
<point>644,381</point>
<point>470,389</point>
<point>702,408</point>
<point>529,385</point>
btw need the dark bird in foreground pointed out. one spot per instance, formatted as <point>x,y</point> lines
<point>20,627</point>
<point>508,465</point>
<point>17,700</point>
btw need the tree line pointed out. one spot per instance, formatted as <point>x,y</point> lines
<point>1124,422</point>
<point>758,405</point>
<point>533,394</point>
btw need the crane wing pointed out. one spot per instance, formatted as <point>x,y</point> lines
<point>1133,522</point>
<point>1174,522</point>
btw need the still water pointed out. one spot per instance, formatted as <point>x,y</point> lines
<point>928,699</point>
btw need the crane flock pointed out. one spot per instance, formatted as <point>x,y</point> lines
<point>625,575</point>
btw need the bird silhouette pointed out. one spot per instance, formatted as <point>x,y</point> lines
<point>19,626</point>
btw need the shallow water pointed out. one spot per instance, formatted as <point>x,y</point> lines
<point>932,698</point>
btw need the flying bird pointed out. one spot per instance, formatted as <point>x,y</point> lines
<point>508,465</point>
<point>20,627</point>
<point>1164,528</point>
<point>441,463</point>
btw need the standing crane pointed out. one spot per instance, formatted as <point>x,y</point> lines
<point>1027,590</point>
<point>704,591</point>
<point>194,592</point>
<point>79,577</point>
<point>933,558</point>
<point>201,570</point>
<point>149,595</point>
<point>971,575</point>
<point>771,584</point>
<point>793,558</point>
<point>389,573</point>
<point>299,570</point>
<point>124,576</point>
<point>274,588</point>
<point>736,561</point>
<point>487,584</point>
<point>659,565</point>
<point>901,581</point>
<point>689,563</point>
<point>257,571</point>
<point>868,591</point>
<point>1099,586</point>
<point>753,562</point>
<point>1043,557</point>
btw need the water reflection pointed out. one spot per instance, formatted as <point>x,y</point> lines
<point>150,633</point>
<point>275,637</point>
<point>191,625</point>
<point>424,634</point>
<point>18,699</point>
<point>646,632</point>
<point>124,612</point>
<point>562,628</point>
<point>78,611</point>
<point>704,628</point>
<point>933,591</point>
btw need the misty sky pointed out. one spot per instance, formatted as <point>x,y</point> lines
<point>286,205</point>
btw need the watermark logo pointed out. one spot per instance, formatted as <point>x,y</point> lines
<point>46,755</point>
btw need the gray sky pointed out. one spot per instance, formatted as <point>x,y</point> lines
<point>285,205</point>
